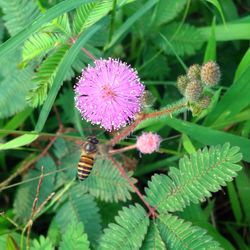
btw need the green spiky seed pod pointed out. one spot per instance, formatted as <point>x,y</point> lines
<point>193,91</point>
<point>204,102</point>
<point>210,74</point>
<point>182,82</point>
<point>194,72</point>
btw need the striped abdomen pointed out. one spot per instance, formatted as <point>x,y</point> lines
<point>85,165</point>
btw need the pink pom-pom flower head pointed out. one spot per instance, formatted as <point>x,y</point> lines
<point>148,143</point>
<point>109,93</point>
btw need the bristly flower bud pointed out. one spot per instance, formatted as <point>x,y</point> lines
<point>182,82</point>
<point>147,99</point>
<point>194,72</point>
<point>210,74</point>
<point>204,102</point>
<point>148,143</point>
<point>194,91</point>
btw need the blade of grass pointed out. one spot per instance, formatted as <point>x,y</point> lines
<point>244,63</point>
<point>124,29</point>
<point>218,7</point>
<point>228,106</point>
<point>210,53</point>
<point>208,136</point>
<point>36,24</point>
<point>234,31</point>
<point>235,204</point>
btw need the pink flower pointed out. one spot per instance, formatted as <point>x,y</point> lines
<point>109,93</point>
<point>148,143</point>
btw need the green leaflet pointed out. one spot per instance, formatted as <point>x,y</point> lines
<point>59,9</point>
<point>128,232</point>
<point>153,239</point>
<point>41,244</point>
<point>106,183</point>
<point>74,238</point>
<point>178,234</point>
<point>88,14</point>
<point>18,14</point>
<point>80,207</point>
<point>198,175</point>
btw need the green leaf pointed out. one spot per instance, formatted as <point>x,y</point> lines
<point>210,53</point>
<point>39,44</point>
<point>128,232</point>
<point>41,244</point>
<point>218,6</point>
<point>230,32</point>
<point>18,14</point>
<point>189,34</point>
<point>18,142</point>
<point>127,25</point>
<point>82,208</point>
<point>235,204</point>
<point>74,238</point>
<point>59,9</point>
<point>243,187</point>
<point>89,14</point>
<point>209,136</point>
<point>198,175</point>
<point>106,183</point>
<point>165,11</point>
<point>178,234</point>
<point>228,107</point>
<point>153,239</point>
<point>65,65</point>
<point>242,67</point>
<point>45,76</point>
<point>15,84</point>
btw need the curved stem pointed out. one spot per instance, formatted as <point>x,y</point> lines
<point>169,111</point>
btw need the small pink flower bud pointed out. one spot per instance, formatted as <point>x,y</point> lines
<point>148,143</point>
<point>194,72</point>
<point>182,82</point>
<point>210,74</point>
<point>194,91</point>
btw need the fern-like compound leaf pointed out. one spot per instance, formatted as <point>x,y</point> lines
<point>153,239</point>
<point>41,244</point>
<point>106,183</point>
<point>167,10</point>
<point>178,234</point>
<point>176,34</point>
<point>18,13</point>
<point>74,238</point>
<point>39,44</point>
<point>80,207</point>
<point>128,232</point>
<point>45,76</point>
<point>198,175</point>
<point>88,14</point>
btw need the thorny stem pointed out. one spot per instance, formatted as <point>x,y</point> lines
<point>152,211</point>
<point>143,116</point>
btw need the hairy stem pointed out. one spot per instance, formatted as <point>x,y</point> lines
<point>169,111</point>
<point>152,211</point>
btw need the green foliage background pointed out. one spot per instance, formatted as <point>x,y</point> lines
<point>41,55</point>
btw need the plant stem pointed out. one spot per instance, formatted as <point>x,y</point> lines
<point>143,116</point>
<point>152,211</point>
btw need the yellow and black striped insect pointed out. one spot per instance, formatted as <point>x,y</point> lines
<point>87,159</point>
